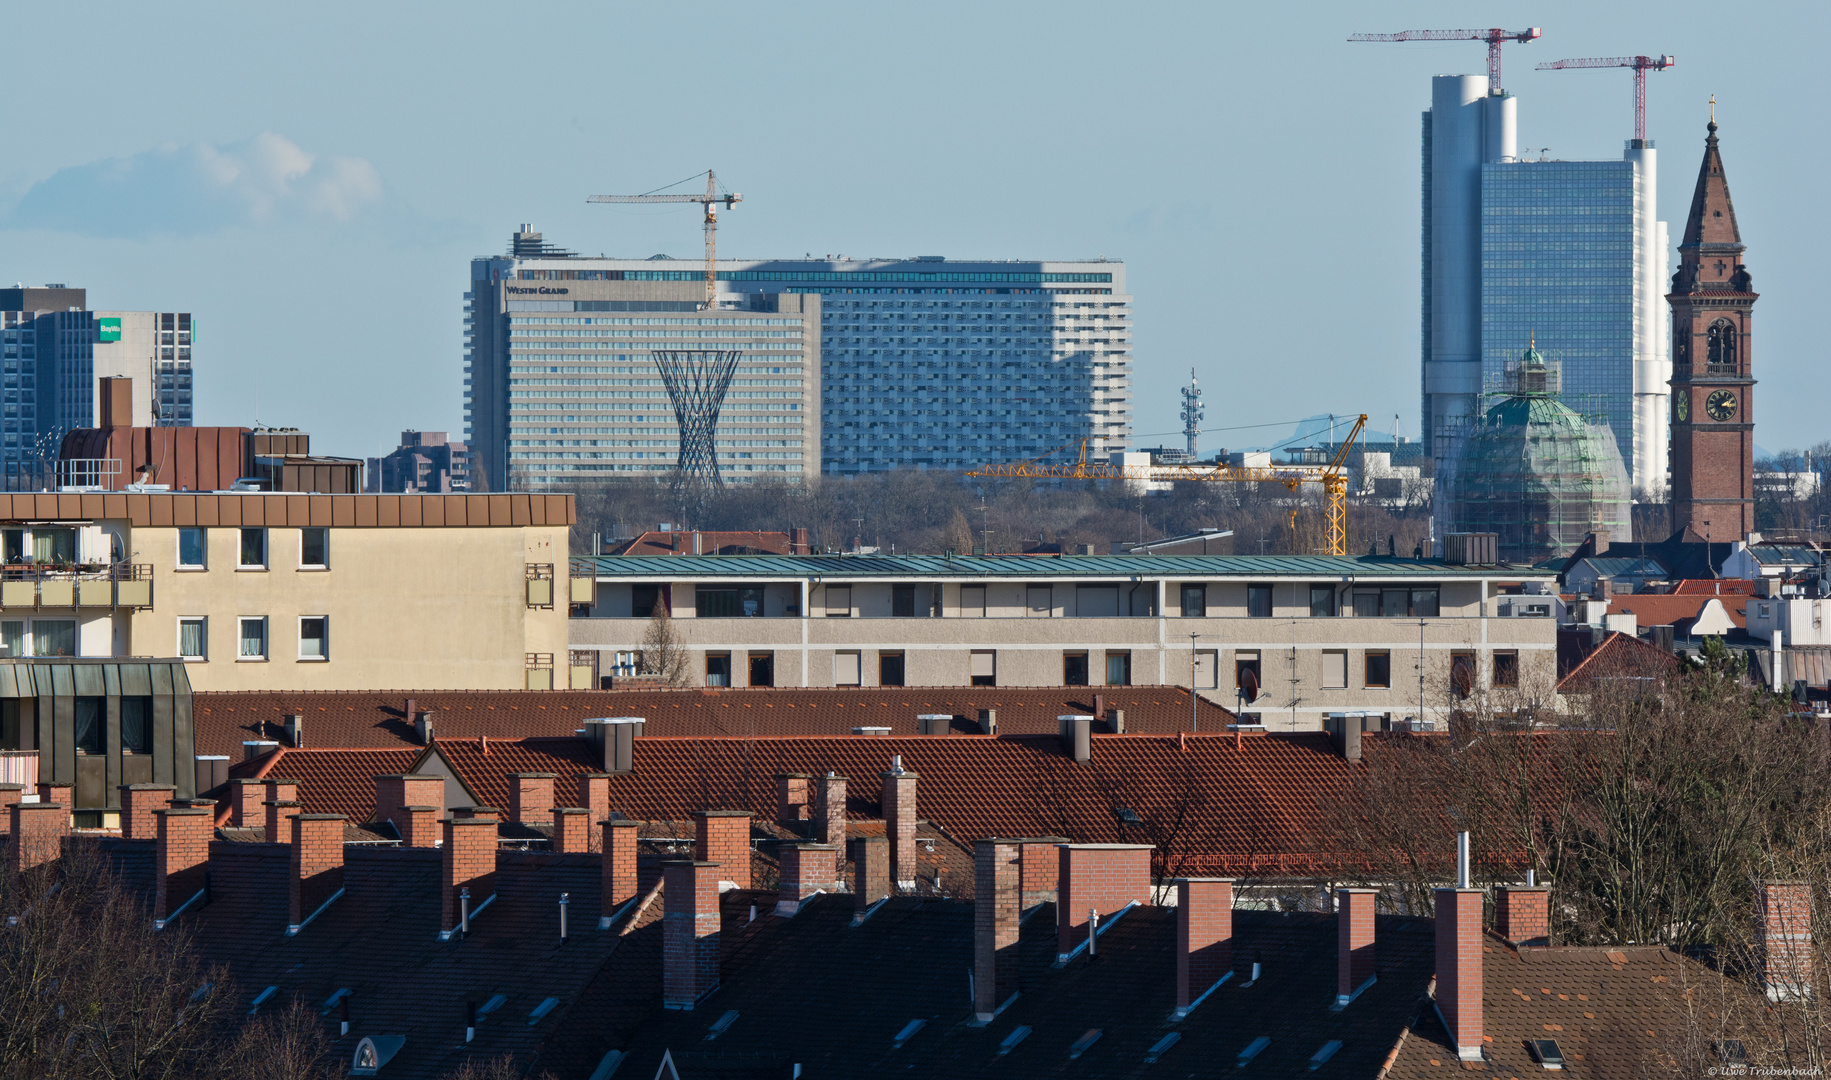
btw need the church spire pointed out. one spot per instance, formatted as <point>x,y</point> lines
<point>1713,215</point>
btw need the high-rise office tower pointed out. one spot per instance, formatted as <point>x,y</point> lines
<point>52,351</point>
<point>917,363</point>
<point>1567,256</point>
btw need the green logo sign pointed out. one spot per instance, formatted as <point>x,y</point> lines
<point>107,329</point>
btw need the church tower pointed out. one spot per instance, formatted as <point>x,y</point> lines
<point>1713,417</point>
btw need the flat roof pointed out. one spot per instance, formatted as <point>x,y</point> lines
<point>164,509</point>
<point>1030,566</point>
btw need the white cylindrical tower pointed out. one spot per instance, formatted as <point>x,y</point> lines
<point>1452,375</point>
<point>1652,345</point>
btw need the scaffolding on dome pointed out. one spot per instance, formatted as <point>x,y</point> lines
<point>1535,471</point>
<point>696,381</point>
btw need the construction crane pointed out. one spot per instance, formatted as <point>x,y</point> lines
<point>1640,64</point>
<point>1494,38</point>
<point>711,199</point>
<point>1333,477</point>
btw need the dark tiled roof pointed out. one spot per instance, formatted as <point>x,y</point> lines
<point>378,719</point>
<point>1212,804</point>
<point>1112,567</point>
<point>1616,1013</point>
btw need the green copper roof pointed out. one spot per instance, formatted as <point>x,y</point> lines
<point>1030,566</point>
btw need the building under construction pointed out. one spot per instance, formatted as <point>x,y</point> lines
<point>1536,472</point>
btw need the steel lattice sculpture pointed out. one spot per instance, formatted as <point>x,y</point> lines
<point>696,380</point>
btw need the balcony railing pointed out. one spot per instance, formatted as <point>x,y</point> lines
<point>19,767</point>
<point>52,585</point>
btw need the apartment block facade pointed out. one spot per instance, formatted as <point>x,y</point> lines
<point>1289,640</point>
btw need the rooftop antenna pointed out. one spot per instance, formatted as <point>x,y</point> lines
<point>1192,413</point>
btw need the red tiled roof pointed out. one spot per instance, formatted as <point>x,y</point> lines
<point>710,543</point>
<point>1619,656</point>
<point>378,718</point>
<point>1661,609</point>
<point>1212,804</point>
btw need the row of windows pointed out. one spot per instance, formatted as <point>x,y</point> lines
<point>252,639</point>
<point>251,549</point>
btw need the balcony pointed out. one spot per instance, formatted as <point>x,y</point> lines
<point>53,585</point>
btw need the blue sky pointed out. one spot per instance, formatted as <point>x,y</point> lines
<point>311,180</point>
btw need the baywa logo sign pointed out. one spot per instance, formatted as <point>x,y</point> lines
<point>107,329</point>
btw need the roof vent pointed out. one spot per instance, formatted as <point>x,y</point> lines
<point>1161,1046</point>
<point>375,1051</point>
<point>907,1033</point>
<point>1321,1056</point>
<point>1018,1034</point>
<point>1253,1050</point>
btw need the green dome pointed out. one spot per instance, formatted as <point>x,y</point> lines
<point>1539,475</point>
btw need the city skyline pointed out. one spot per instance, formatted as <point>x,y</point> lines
<point>263,210</point>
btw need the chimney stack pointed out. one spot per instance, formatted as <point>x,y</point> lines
<point>615,739</point>
<point>988,721</point>
<point>1459,938</point>
<point>245,798</point>
<point>55,791</point>
<point>280,790</point>
<point>1204,938</point>
<point>1522,914</point>
<point>1354,969</point>
<point>181,859</point>
<point>278,810</point>
<point>412,803</point>
<point>422,726</point>
<point>870,870</point>
<point>317,867</point>
<point>571,830</point>
<point>531,797</point>
<point>1042,867</point>
<point>899,800</point>
<point>830,810</point>
<point>295,730</point>
<point>690,931</point>
<point>997,892</point>
<point>1097,877</point>
<point>594,796</point>
<point>724,840</point>
<point>620,839</point>
<point>806,869</point>
<point>1783,938</point>
<point>138,801</point>
<point>11,795</point>
<point>38,833</point>
<point>792,807</point>
<point>1077,737</point>
<point>469,858</point>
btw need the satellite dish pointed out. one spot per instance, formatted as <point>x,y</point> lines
<point>1249,684</point>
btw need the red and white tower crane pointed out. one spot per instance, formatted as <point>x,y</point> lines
<point>1640,64</point>
<point>1494,38</point>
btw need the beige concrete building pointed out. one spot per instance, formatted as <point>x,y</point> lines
<point>1315,635</point>
<point>288,591</point>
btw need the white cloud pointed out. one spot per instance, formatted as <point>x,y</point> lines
<point>200,188</point>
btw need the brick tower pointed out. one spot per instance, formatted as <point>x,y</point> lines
<point>1713,416</point>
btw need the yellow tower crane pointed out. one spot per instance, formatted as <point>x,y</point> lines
<point>711,199</point>
<point>1333,477</point>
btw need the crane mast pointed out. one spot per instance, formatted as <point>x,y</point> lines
<point>710,199</point>
<point>1494,37</point>
<point>1640,64</point>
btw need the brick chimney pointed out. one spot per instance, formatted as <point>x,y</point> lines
<point>724,839</point>
<point>1204,937</point>
<point>798,542</point>
<point>245,797</point>
<point>806,869</point>
<point>412,803</point>
<point>1522,914</point>
<point>470,863</point>
<point>38,833</point>
<point>571,829</point>
<point>792,793</point>
<point>531,797</point>
<point>899,800</point>
<point>1097,877</point>
<point>594,796</point>
<point>870,870</point>
<point>619,844</point>
<point>1042,866</point>
<point>1783,938</point>
<point>317,867</point>
<point>1459,938</point>
<point>54,791</point>
<point>280,790</point>
<point>690,930</point>
<point>830,810</point>
<point>278,810</point>
<point>997,895</point>
<point>1354,937</point>
<point>138,801</point>
<point>10,796</point>
<point>181,858</point>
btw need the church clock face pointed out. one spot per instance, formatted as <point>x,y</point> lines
<point>1682,408</point>
<point>1721,405</point>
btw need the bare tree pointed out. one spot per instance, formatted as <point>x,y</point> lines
<point>663,651</point>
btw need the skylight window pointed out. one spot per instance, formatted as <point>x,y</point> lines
<point>1161,1046</point>
<point>1018,1034</point>
<point>1546,1052</point>
<point>331,1002</point>
<point>542,1009</point>
<point>1127,815</point>
<point>490,1006</point>
<point>261,999</point>
<point>1253,1050</point>
<point>907,1033</point>
<point>721,1025</point>
<point>1732,1052</point>
<point>1328,1051</point>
